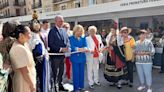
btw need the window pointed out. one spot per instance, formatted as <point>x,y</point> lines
<point>8,12</point>
<point>17,12</point>
<point>25,12</point>
<point>63,6</point>
<point>92,2</point>
<point>77,4</point>
<point>16,2</point>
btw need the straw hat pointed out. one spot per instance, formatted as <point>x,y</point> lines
<point>126,29</point>
<point>143,31</point>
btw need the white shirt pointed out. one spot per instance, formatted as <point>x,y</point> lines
<point>44,33</point>
<point>161,41</point>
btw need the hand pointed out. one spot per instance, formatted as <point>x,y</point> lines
<point>64,50</point>
<point>33,89</point>
<point>141,53</point>
<point>147,53</point>
<point>6,66</point>
<point>103,49</point>
<point>110,48</point>
<point>83,50</point>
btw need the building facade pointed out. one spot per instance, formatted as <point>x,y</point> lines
<point>47,5</point>
<point>37,5</point>
<point>70,4</point>
<point>12,8</point>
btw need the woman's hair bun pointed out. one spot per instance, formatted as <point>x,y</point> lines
<point>18,29</point>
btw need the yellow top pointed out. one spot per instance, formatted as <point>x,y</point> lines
<point>129,45</point>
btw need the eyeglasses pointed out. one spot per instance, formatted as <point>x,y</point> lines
<point>125,32</point>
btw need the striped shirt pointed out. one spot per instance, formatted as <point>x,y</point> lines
<point>145,46</point>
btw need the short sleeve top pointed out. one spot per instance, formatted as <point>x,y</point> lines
<point>21,56</point>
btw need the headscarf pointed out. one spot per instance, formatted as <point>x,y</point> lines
<point>120,41</point>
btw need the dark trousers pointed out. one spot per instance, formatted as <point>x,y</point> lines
<point>10,83</point>
<point>39,70</point>
<point>57,66</point>
<point>130,65</point>
<point>162,62</point>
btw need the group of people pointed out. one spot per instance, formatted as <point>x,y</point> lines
<point>34,55</point>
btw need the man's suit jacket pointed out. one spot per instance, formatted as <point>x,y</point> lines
<point>57,39</point>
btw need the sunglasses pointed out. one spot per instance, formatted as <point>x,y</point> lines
<point>125,32</point>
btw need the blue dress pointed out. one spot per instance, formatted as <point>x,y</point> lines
<point>78,62</point>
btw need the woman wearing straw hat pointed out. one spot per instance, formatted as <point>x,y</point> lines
<point>129,44</point>
<point>144,50</point>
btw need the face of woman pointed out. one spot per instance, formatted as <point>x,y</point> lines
<point>26,36</point>
<point>36,27</point>
<point>92,32</point>
<point>142,36</point>
<point>113,31</point>
<point>125,33</point>
<point>79,33</point>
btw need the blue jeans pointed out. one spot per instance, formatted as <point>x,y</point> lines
<point>145,73</point>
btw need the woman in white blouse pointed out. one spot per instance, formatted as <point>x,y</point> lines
<point>94,44</point>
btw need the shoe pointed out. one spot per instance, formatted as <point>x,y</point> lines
<point>161,72</point>
<point>91,86</point>
<point>82,90</point>
<point>130,85</point>
<point>140,88</point>
<point>55,89</point>
<point>98,83</point>
<point>70,81</point>
<point>119,86</point>
<point>112,84</point>
<point>149,90</point>
<point>75,91</point>
<point>61,88</point>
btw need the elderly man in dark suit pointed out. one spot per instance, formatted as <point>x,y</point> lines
<point>58,42</point>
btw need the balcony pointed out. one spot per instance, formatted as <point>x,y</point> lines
<point>60,1</point>
<point>4,5</point>
<point>19,4</point>
<point>36,5</point>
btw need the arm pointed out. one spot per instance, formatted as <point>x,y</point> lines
<point>37,51</point>
<point>132,42</point>
<point>151,49</point>
<point>85,48</point>
<point>26,75</point>
<point>100,41</point>
<point>72,45</point>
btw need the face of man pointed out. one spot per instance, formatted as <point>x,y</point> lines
<point>46,26</point>
<point>103,33</point>
<point>59,22</point>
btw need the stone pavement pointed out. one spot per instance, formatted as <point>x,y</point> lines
<point>158,84</point>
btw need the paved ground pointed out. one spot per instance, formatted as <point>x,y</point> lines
<point>158,84</point>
